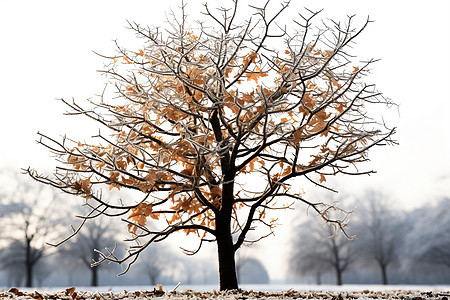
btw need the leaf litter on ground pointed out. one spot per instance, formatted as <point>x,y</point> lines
<point>72,294</point>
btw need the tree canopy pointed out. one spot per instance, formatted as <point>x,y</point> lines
<point>215,124</point>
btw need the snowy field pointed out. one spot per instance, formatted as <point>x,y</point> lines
<point>248,292</point>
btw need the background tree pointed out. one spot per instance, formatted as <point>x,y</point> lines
<point>251,270</point>
<point>43,270</point>
<point>319,249</point>
<point>428,239</point>
<point>13,263</point>
<point>28,218</point>
<point>302,266</point>
<point>14,274</point>
<point>97,234</point>
<point>380,232</point>
<point>198,113</point>
<point>155,263</point>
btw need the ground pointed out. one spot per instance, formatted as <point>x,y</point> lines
<point>73,294</point>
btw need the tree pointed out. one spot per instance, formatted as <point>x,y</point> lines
<point>379,232</point>
<point>302,265</point>
<point>13,263</point>
<point>317,250</point>
<point>14,274</point>
<point>28,220</point>
<point>251,270</point>
<point>155,263</point>
<point>429,240</point>
<point>97,234</point>
<point>198,114</point>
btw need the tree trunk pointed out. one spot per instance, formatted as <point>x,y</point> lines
<point>94,269</point>
<point>318,278</point>
<point>338,276</point>
<point>152,279</point>
<point>29,282</point>
<point>384,273</point>
<point>225,250</point>
<point>94,276</point>
<point>28,265</point>
<point>225,247</point>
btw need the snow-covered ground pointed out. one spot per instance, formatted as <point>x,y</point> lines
<point>279,291</point>
<point>254,287</point>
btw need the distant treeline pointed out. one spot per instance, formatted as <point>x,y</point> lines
<point>381,245</point>
<point>386,245</point>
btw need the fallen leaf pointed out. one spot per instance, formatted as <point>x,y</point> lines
<point>70,291</point>
<point>15,291</point>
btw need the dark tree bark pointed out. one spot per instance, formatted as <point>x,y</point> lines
<point>94,276</point>
<point>384,277</point>
<point>32,255</point>
<point>340,263</point>
<point>95,269</point>
<point>338,276</point>
<point>28,264</point>
<point>227,267</point>
<point>226,250</point>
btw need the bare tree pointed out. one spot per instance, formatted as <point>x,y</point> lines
<point>14,274</point>
<point>251,270</point>
<point>318,250</point>
<point>155,262</point>
<point>28,219</point>
<point>198,113</point>
<point>380,232</point>
<point>428,239</point>
<point>12,262</point>
<point>96,234</point>
<point>301,265</point>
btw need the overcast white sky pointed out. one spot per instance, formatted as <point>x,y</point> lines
<point>46,53</point>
